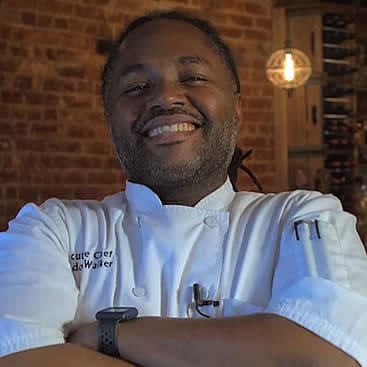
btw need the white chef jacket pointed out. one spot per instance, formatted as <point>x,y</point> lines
<point>295,254</point>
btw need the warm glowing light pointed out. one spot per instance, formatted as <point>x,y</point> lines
<point>289,67</point>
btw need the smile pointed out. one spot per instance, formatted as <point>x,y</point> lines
<point>168,129</point>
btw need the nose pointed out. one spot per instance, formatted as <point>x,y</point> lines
<point>167,95</point>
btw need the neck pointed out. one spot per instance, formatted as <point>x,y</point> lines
<point>187,195</point>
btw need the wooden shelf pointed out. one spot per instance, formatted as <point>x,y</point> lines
<point>319,6</point>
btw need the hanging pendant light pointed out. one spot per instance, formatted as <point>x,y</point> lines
<point>288,68</point>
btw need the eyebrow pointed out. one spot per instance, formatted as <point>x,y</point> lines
<point>134,68</point>
<point>183,60</point>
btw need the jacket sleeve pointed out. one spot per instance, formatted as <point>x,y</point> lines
<point>38,295</point>
<point>320,279</point>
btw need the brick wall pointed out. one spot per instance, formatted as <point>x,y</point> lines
<point>53,136</point>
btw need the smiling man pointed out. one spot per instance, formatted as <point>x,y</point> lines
<point>179,269</point>
<point>173,111</point>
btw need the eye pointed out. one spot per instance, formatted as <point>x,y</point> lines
<point>136,88</point>
<point>194,79</point>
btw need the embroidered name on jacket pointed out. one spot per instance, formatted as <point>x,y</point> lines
<point>91,260</point>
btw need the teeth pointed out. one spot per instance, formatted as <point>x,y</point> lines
<point>166,129</point>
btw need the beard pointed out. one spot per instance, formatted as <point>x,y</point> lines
<point>209,164</point>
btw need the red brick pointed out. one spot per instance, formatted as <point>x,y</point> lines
<point>73,176</point>
<point>84,87</point>
<point>54,7</point>
<point>87,162</point>
<point>29,18</point>
<point>229,31</point>
<point>12,208</point>
<point>13,97</point>
<point>66,147</point>
<point>57,54</point>
<point>43,129</point>
<point>28,193</point>
<point>41,98</point>
<point>5,144</point>
<point>30,144</point>
<point>241,20</point>
<point>76,25</point>
<point>3,46</point>
<point>34,115</point>
<point>92,29</point>
<point>56,191</point>
<point>21,128</point>
<point>19,51</point>
<point>266,155</point>
<point>89,12</point>
<point>256,8</point>
<point>61,23</point>
<point>11,192</point>
<point>112,163</point>
<point>19,4</point>
<point>106,177</point>
<point>260,103</point>
<point>58,85</point>
<point>23,82</point>
<point>80,132</point>
<point>258,75</point>
<point>39,36</point>
<point>251,142</point>
<point>4,223</point>
<point>265,23</point>
<point>6,128</point>
<point>44,20</point>
<point>50,115</point>
<point>267,91</point>
<point>97,148</point>
<point>97,2</point>
<point>4,111</point>
<point>88,192</point>
<point>77,101</point>
<point>257,35</point>
<point>8,64</point>
<point>73,72</point>
<point>8,176</point>
<point>56,161</point>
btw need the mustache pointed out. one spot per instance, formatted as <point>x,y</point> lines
<point>140,123</point>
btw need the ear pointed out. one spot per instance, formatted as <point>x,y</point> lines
<point>238,110</point>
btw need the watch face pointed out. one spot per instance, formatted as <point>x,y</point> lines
<point>117,313</point>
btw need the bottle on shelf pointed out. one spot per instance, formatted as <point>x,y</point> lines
<point>336,36</point>
<point>335,20</point>
<point>334,69</point>
<point>338,53</point>
<point>334,91</point>
<point>337,109</point>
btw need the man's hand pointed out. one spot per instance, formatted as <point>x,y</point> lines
<point>86,336</point>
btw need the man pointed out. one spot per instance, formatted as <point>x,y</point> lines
<point>279,279</point>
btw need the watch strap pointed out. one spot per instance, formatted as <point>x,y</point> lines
<point>107,337</point>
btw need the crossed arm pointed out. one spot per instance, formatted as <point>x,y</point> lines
<point>262,340</point>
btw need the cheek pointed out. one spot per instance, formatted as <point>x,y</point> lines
<point>217,106</point>
<point>125,114</point>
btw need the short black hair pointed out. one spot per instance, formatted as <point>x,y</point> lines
<point>209,31</point>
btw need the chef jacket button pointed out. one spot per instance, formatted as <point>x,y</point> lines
<point>210,221</point>
<point>138,292</point>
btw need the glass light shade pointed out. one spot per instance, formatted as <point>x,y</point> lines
<point>288,68</point>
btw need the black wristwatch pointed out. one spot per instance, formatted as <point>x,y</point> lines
<point>108,319</point>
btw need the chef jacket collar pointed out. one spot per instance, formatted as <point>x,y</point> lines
<point>144,199</point>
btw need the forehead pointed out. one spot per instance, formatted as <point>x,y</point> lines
<point>166,39</point>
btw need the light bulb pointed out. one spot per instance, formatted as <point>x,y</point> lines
<point>289,67</point>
